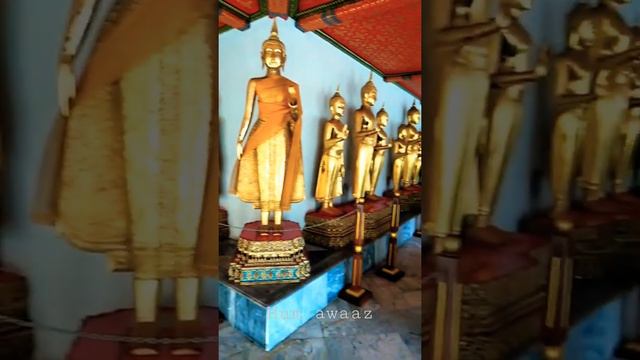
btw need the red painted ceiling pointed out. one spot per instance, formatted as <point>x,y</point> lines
<point>310,4</point>
<point>389,40</point>
<point>248,7</point>
<point>385,34</point>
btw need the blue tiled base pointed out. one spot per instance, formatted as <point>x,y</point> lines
<point>270,325</point>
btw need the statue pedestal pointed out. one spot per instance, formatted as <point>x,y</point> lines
<point>331,230</point>
<point>598,240</point>
<point>377,217</point>
<point>410,197</point>
<point>502,296</point>
<point>269,257</point>
<point>269,314</point>
<point>16,342</point>
<point>337,230</point>
<point>119,323</point>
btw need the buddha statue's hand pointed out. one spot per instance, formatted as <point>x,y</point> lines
<point>503,19</point>
<point>239,149</point>
<point>293,102</point>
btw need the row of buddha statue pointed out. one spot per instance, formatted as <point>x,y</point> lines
<point>371,144</point>
<point>269,158</point>
<point>596,102</point>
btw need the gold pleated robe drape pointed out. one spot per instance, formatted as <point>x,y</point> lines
<point>269,174</point>
<point>136,165</point>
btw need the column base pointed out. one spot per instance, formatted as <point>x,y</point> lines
<point>392,274</point>
<point>357,297</point>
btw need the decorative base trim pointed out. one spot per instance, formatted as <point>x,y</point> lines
<point>391,274</point>
<point>358,297</point>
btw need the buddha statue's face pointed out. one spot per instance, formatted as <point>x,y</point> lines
<point>414,118</point>
<point>583,36</point>
<point>273,57</point>
<point>370,97</point>
<point>383,120</point>
<point>337,109</point>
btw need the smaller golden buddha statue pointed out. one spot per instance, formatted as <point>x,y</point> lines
<point>383,144</point>
<point>410,134</point>
<point>331,171</point>
<point>417,168</point>
<point>399,152</point>
<point>364,138</point>
<point>573,73</point>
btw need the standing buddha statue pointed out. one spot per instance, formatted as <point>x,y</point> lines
<point>268,174</point>
<point>383,144</point>
<point>572,94</point>
<point>331,171</point>
<point>364,138</point>
<point>268,171</point>
<point>412,139</point>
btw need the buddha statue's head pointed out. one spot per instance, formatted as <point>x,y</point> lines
<point>582,30</point>
<point>369,93</point>
<point>413,115</point>
<point>382,117</point>
<point>517,7</point>
<point>273,51</point>
<point>337,105</point>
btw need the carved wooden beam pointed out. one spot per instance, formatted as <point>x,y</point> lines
<point>142,30</point>
<point>278,8</point>
<point>403,76</point>
<point>229,18</point>
<point>344,13</point>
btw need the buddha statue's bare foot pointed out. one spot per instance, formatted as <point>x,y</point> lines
<point>144,330</point>
<point>373,197</point>
<point>276,229</point>
<point>187,330</point>
<point>489,235</point>
<point>331,211</point>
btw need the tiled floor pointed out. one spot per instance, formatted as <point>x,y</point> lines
<point>388,328</point>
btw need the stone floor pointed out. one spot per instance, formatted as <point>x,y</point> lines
<point>388,328</point>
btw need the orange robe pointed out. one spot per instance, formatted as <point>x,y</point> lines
<point>269,173</point>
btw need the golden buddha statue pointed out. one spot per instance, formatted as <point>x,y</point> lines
<point>465,37</point>
<point>417,168</point>
<point>331,171</point>
<point>612,51</point>
<point>573,73</point>
<point>383,144</point>
<point>399,152</point>
<point>626,143</point>
<point>268,170</point>
<point>147,203</point>
<point>364,140</point>
<point>409,134</point>
<point>509,83</point>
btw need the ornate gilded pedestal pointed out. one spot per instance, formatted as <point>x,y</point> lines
<point>116,324</point>
<point>377,221</point>
<point>410,197</point>
<point>267,258</point>
<point>331,230</point>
